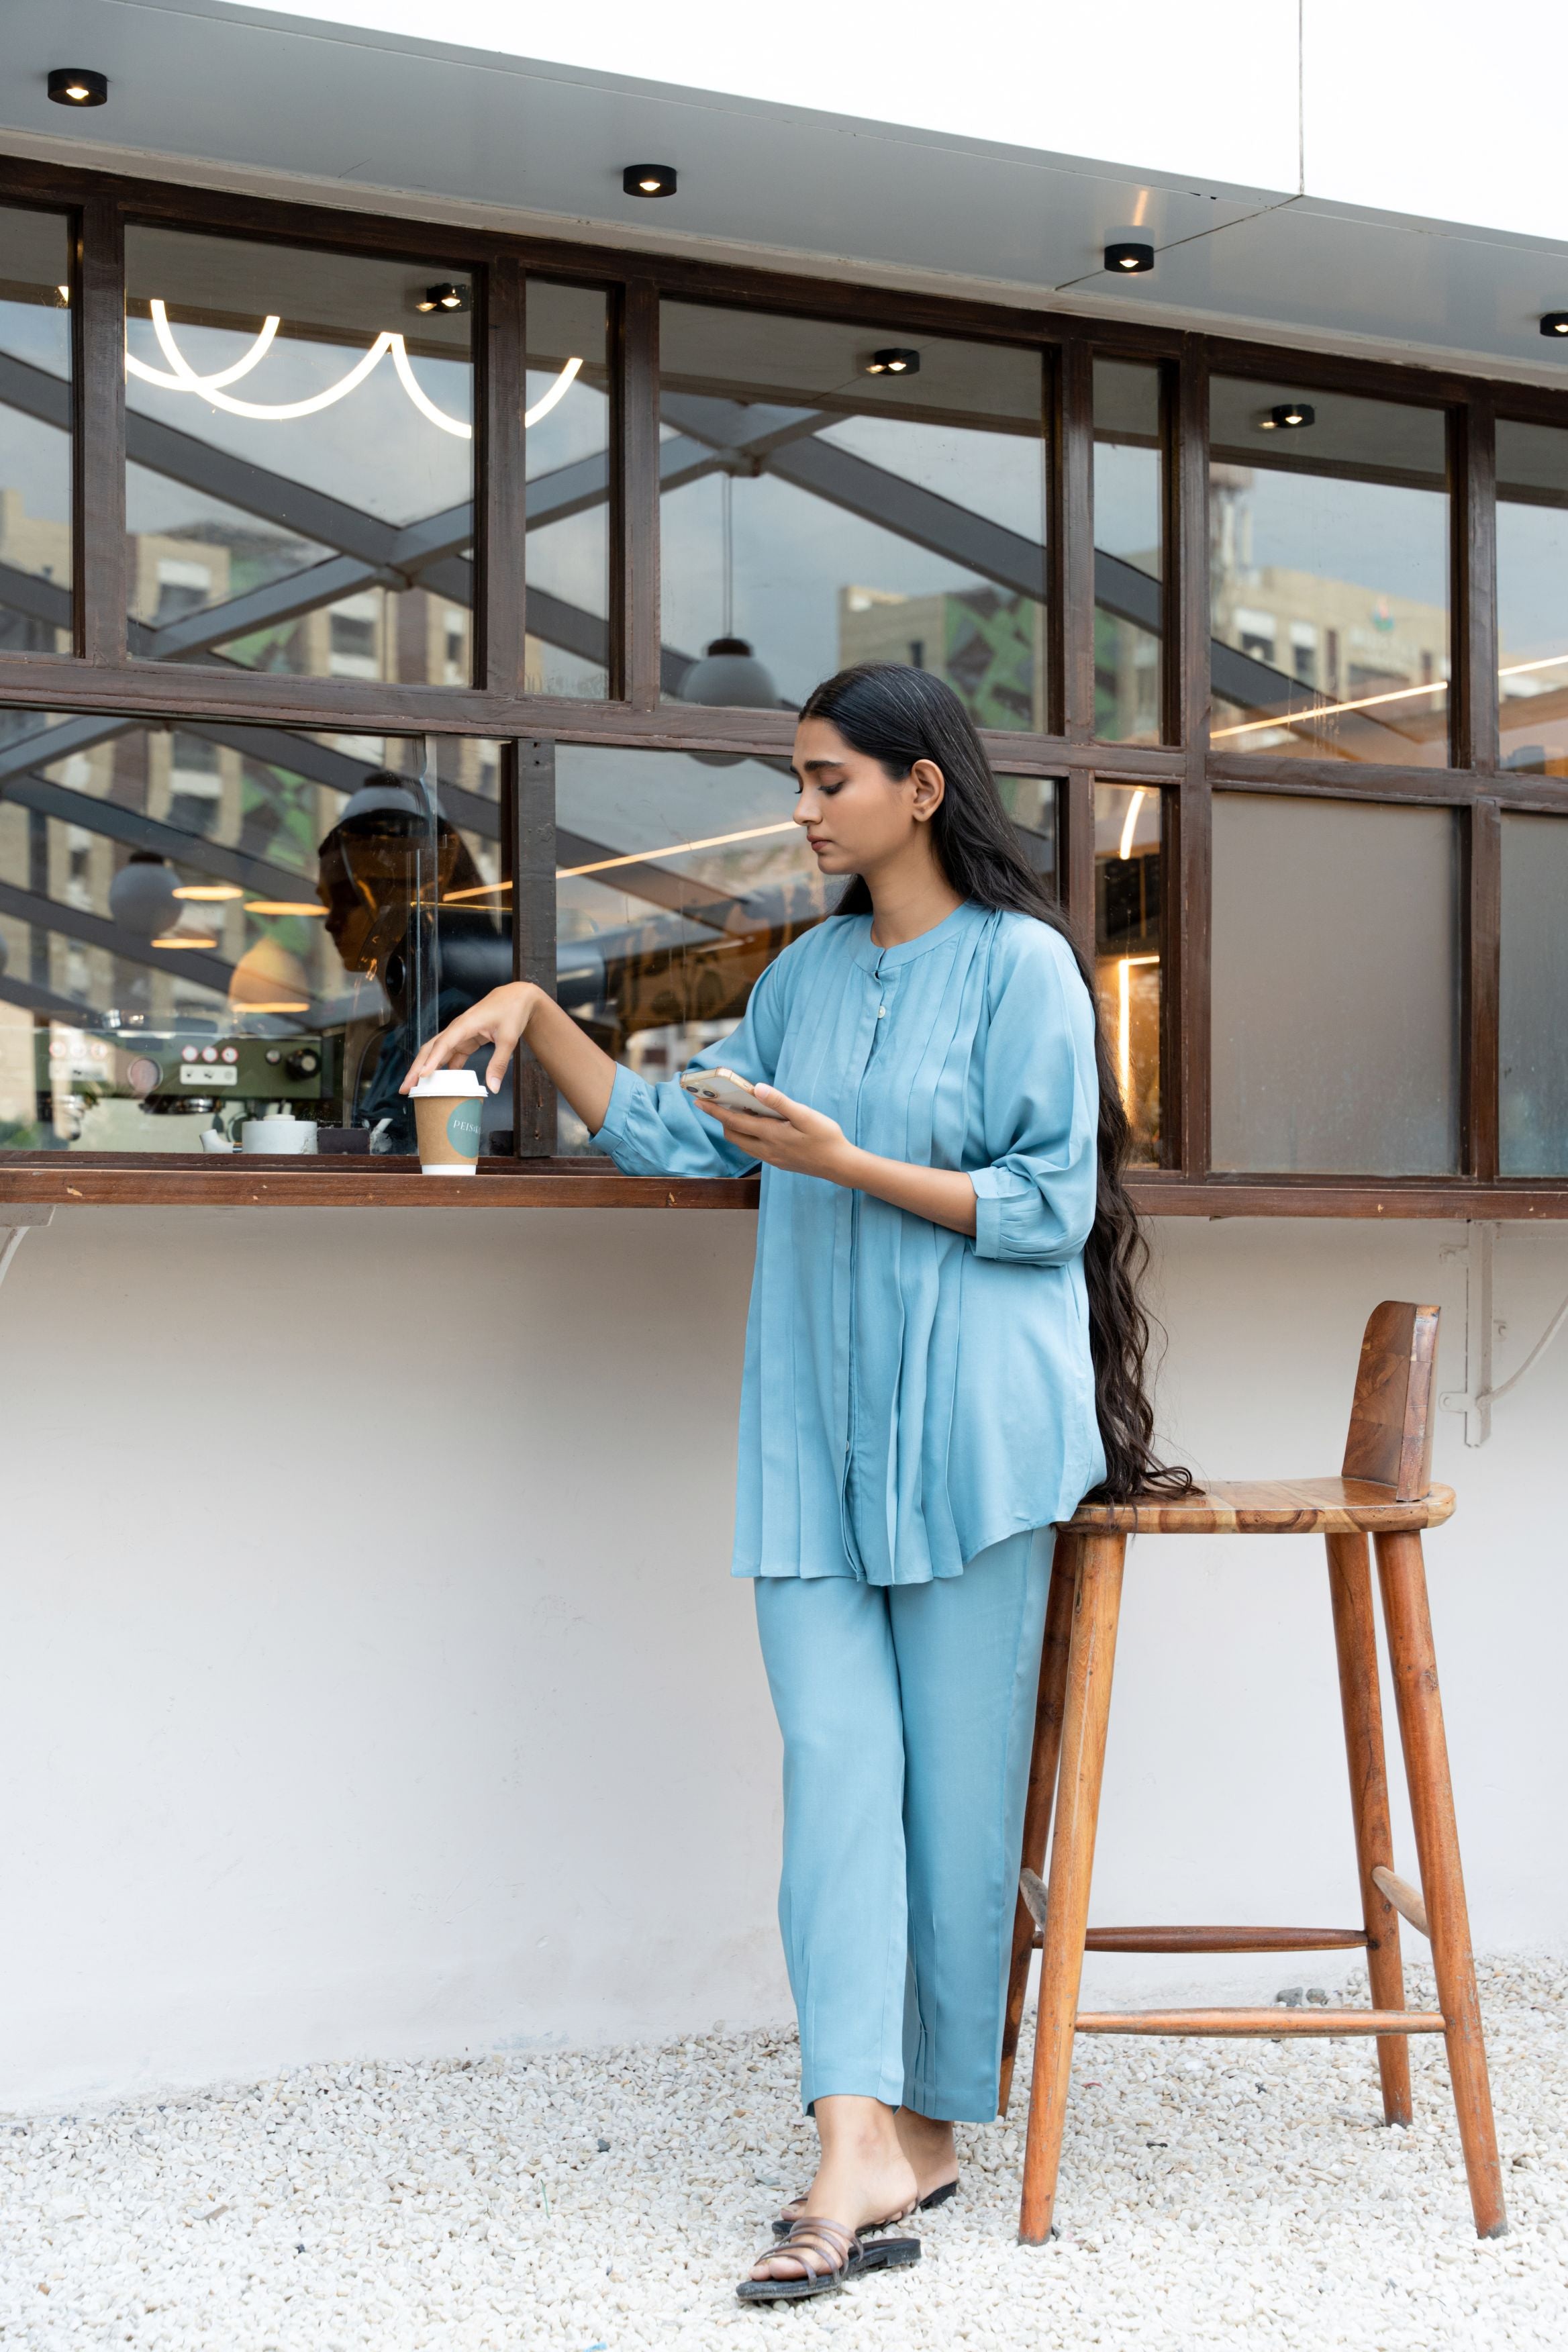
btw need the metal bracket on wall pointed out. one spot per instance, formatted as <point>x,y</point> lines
<point>16,1220</point>
<point>1475,1398</point>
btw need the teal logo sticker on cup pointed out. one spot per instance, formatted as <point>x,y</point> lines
<point>463,1128</point>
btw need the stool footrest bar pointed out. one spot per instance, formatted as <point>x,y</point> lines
<point>1262,2022</point>
<point>1224,1940</point>
<point>1405,1898</point>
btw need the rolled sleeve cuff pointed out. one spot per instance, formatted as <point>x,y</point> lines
<point>613,1134</point>
<point>987,1183</point>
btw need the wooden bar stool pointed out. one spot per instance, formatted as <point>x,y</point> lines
<point>1384,1491</point>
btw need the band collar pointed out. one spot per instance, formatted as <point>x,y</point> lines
<point>882,960</point>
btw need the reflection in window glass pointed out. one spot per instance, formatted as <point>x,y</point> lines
<point>1335,987</point>
<point>837,494</point>
<point>1129,894</point>
<point>1533,1043</point>
<point>201,922</point>
<point>1533,596</point>
<point>568,455</point>
<point>1031,801</point>
<point>329,443</point>
<point>35,435</point>
<point>1129,552</point>
<point>680,877</point>
<point>1328,575</point>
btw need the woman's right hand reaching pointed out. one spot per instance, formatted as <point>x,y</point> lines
<point>565,1052</point>
<point>499,1019</point>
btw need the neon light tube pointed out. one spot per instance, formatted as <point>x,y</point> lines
<point>185,378</point>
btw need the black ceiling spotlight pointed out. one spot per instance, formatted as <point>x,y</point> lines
<point>1286,414</point>
<point>1554,323</point>
<point>75,86</point>
<point>1129,257</point>
<point>648,179</point>
<point>893,361</point>
<point>445,298</point>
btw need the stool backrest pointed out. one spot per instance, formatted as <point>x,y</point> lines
<point>1390,1441</point>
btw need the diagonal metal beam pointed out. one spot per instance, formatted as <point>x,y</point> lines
<point>34,999</point>
<point>113,822</point>
<point>76,923</point>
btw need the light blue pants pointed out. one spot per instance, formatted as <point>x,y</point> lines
<point>907,1712</point>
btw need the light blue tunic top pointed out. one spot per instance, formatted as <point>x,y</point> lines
<point>911,1395</point>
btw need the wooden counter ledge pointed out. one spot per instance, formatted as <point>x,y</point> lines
<point>254,1181</point>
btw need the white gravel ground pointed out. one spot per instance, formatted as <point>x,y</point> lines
<point>1212,2194</point>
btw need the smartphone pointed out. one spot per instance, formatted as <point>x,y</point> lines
<point>725,1087</point>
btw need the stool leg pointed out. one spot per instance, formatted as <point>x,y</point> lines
<point>1356,1640</point>
<point>1042,1790</point>
<point>1096,1606</point>
<point>1402,1574</point>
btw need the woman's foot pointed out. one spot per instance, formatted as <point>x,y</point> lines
<point>933,2160</point>
<point>864,2175</point>
<point>930,2149</point>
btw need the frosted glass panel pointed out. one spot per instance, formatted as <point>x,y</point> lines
<point>1534,1040</point>
<point>1336,988</point>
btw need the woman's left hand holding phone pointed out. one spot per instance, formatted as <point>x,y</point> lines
<point>805,1142</point>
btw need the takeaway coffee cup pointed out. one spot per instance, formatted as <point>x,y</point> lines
<point>447,1110</point>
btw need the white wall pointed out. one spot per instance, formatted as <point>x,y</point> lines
<point>373,1681</point>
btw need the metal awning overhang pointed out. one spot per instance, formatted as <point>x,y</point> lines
<point>302,108</point>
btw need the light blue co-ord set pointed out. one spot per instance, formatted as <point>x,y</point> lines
<point>917,1408</point>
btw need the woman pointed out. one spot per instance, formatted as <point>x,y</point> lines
<point>944,1355</point>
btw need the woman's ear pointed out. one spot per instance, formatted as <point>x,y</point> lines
<point>930,785</point>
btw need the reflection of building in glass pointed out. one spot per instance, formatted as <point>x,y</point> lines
<point>1127,669</point>
<point>1309,639</point>
<point>989,645</point>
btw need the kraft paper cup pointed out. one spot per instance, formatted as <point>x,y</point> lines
<point>448,1107</point>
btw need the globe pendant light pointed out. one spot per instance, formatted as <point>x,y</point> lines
<point>142,894</point>
<point>729,674</point>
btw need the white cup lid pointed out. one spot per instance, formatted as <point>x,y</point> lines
<point>448,1082</point>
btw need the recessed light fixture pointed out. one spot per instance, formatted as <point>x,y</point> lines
<point>1554,323</point>
<point>75,86</point>
<point>445,298</point>
<point>893,361</point>
<point>203,892</point>
<point>1286,414</point>
<point>648,179</point>
<point>1129,257</point>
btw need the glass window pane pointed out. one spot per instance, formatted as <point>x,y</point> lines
<point>1534,1045</point>
<point>328,444</point>
<point>568,455</point>
<point>1032,802</point>
<point>1129,552</point>
<point>1533,596</point>
<point>200,921</point>
<point>1335,987</point>
<point>1328,575</point>
<point>35,435</point>
<point>680,876</point>
<point>1128,898</point>
<point>837,494</point>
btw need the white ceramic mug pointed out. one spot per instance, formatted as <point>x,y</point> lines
<point>278,1133</point>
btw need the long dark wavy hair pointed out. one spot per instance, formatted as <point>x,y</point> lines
<point>897,716</point>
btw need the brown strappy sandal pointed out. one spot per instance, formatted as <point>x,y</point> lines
<point>949,2189</point>
<point>829,2254</point>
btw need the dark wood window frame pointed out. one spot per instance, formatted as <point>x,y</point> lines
<point>102,675</point>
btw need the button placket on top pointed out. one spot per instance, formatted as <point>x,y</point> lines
<point>882,984</point>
